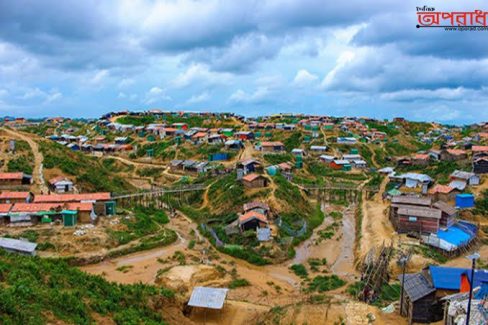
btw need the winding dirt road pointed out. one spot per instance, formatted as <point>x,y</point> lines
<point>38,177</point>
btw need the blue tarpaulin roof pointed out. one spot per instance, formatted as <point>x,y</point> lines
<point>449,278</point>
<point>483,292</point>
<point>454,235</point>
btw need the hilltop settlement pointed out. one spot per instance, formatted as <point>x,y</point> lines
<point>215,217</point>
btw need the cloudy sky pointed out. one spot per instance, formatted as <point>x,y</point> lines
<point>354,57</point>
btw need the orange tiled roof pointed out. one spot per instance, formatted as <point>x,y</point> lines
<point>444,189</point>
<point>102,196</point>
<point>199,135</point>
<point>5,207</point>
<point>271,144</point>
<point>252,214</point>
<point>479,148</point>
<point>456,151</point>
<point>251,177</point>
<point>79,206</point>
<point>14,195</point>
<point>35,207</point>
<point>11,175</point>
<point>421,156</point>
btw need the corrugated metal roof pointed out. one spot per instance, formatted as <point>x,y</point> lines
<point>18,245</point>
<point>446,208</point>
<point>419,212</point>
<point>411,200</point>
<point>206,297</point>
<point>460,185</point>
<point>416,286</point>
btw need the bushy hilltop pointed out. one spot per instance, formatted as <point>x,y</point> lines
<point>44,291</point>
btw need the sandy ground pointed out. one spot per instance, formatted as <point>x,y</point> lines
<point>376,229</point>
<point>269,285</point>
<point>38,178</point>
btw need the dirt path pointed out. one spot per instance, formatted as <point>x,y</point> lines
<point>376,229</point>
<point>344,264</point>
<point>135,163</point>
<point>373,156</point>
<point>338,251</point>
<point>248,151</point>
<point>38,177</point>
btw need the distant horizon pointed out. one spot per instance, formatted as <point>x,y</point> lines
<point>236,113</point>
<point>353,58</point>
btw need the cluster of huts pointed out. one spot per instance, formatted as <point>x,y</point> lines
<point>436,223</point>
<point>26,209</point>
<point>346,162</point>
<point>438,293</point>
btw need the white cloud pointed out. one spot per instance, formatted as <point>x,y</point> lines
<point>99,77</point>
<point>126,82</point>
<point>198,73</point>
<point>304,78</point>
<point>38,94</point>
<point>53,96</point>
<point>342,61</point>
<point>203,97</point>
<point>156,94</point>
<point>258,95</point>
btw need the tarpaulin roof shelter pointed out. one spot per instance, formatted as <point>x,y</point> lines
<point>449,278</point>
<point>206,297</point>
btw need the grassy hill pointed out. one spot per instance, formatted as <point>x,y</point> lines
<point>43,291</point>
<point>91,174</point>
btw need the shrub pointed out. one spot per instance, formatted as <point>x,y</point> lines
<point>237,283</point>
<point>56,292</point>
<point>299,270</point>
<point>323,283</point>
<point>20,164</point>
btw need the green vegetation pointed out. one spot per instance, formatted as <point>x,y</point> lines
<point>41,291</point>
<point>115,166</point>
<point>275,159</point>
<point>389,129</point>
<point>136,120</point>
<point>160,149</point>
<point>299,270</point>
<point>91,174</point>
<point>481,204</point>
<point>244,253</point>
<point>430,252</point>
<point>227,193</point>
<point>396,149</point>
<point>322,283</point>
<point>355,289</point>
<point>146,221</point>
<point>388,294</point>
<point>149,172</point>
<point>315,263</point>
<point>293,141</point>
<point>237,283</point>
<point>162,238</point>
<point>329,231</point>
<point>415,127</point>
<point>21,164</point>
<point>375,181</point>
